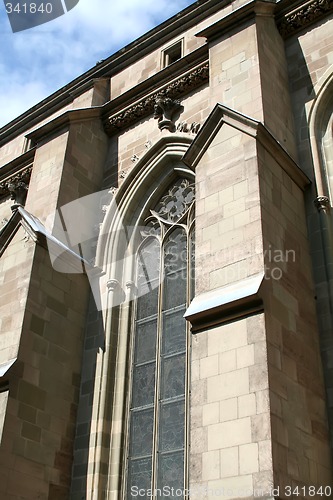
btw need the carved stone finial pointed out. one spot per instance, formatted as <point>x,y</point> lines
<point>322,203</point>
<point>165,110</point>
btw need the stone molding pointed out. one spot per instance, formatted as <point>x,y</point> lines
<point>140,109</point>
<point>227,303</point>
<point>223,115</point>
<point>112,65</point>
<point>302,16</point>
<point>62,122</point>
<point>237,17</point>
<point>9,230</point>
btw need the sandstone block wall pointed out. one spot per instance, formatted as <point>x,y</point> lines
<point>231,449</point>
<point>310,67</point>
<point>228,225</point>
<point>300,439</point>
<point>37,445</point>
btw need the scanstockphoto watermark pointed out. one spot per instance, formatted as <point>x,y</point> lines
<point>236,264</point>
<point>227,492</point>
<point>24,15</point>
<point>83,238</point>
<point>274,261</point>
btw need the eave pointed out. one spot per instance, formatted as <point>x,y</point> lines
<point>109,67</point>
<point>237,18</point>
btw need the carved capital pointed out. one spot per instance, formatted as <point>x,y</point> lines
<point>322,203</point>
<point>113,285</point>
<point>115,291</point>
<point>131,289</point>
<point>165,110</point>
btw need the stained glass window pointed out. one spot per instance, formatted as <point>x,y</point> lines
<point>157,420</point>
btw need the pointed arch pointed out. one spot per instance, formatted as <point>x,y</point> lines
<point>116,252</point>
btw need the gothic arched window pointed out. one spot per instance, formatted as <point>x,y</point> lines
<point>157,429</point>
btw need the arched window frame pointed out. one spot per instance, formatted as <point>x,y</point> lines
<point>142,186</point>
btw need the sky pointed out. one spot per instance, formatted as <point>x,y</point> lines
<point>36,62</point>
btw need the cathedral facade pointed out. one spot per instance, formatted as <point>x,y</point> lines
<point>166,266</point>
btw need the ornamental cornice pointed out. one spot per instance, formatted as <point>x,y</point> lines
<point>291,21</point>
<point>16,185</point>
<point>146,106</point>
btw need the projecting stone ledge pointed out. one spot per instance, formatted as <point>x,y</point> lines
<point>226,303</point>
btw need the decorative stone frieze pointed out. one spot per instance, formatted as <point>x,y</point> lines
<point>290,22</point>
<point>146,106</point>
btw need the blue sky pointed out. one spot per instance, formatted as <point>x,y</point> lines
<point>38,61</point>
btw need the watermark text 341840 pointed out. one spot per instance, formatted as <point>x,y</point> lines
<point>23,14</point>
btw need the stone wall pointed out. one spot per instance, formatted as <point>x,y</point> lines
<point>310,67</point>
<point>231,449</point>
<point>37,445</point>
<point>300,440</point>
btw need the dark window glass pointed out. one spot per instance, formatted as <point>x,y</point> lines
<point>148,278</point>
<point>145,342</point>
<point>141,434</point>
<point>171,472</point>
<point>173,377</point>
<point>174,326</point>
<point>172,426</point>
<point>139,477</point>
<point>143,385</point>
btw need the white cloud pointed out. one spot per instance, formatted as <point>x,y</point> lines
<point>36,62</point>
